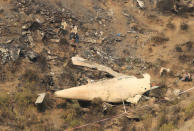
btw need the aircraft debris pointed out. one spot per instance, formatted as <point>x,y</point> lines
<point>164,70</point>
<point>127,88</point>
<point>118,89</point>
<point>83,62</point>
<point>106,105</point>
<point>40,98</point>
<point>141,3</point>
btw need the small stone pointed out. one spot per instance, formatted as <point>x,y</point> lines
<point>25,32</point>
<point>32,56</point>
<point>55,40</point>
<point>24,27</point>
<point>86,34</point>
<point>14,54</point>
<point>85,109</point>
<point>101,33</point>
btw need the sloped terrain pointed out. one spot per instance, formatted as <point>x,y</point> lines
<point>36,51</point>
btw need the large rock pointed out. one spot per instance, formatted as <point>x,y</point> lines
<point>32,56</point>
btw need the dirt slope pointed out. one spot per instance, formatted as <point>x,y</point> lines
<point>35,56</point>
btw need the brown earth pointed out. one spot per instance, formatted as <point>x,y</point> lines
<point>115,33</point>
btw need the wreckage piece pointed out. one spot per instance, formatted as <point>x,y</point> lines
<point>164,70</point>
<point>118,89</point>
<point>40,98</point>
<point>83,62</point>
<point>141,4</point>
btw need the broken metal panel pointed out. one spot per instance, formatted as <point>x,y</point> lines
<point>134,99</point>
<point>40,98</point>
<point>83,62</point>
<point>141,3</point>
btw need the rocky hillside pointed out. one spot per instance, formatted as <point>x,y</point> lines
<point>131,37</point>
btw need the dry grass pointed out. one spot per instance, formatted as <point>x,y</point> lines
<point>19,112</point>
<point>168,118</point>
<point>167,127</point>
<point>189,111</point>
<point>72,114</point>
<point>16,106</point>
<point>147,121</point>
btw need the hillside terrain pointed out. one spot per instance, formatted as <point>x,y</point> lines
<point>36,52</point>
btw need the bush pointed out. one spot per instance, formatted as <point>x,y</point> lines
<point>31,80</point>
<point>30,76</point>
<point>162,119</point>
<point>167,127</point>
<point>24,99</point>
<point>184,26</point>
<point>159,39</point>
<point>147,121</point>
<point>72,115</point>
<point>170,26</point>
<point>5,107</point>
<point>189,111</point>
